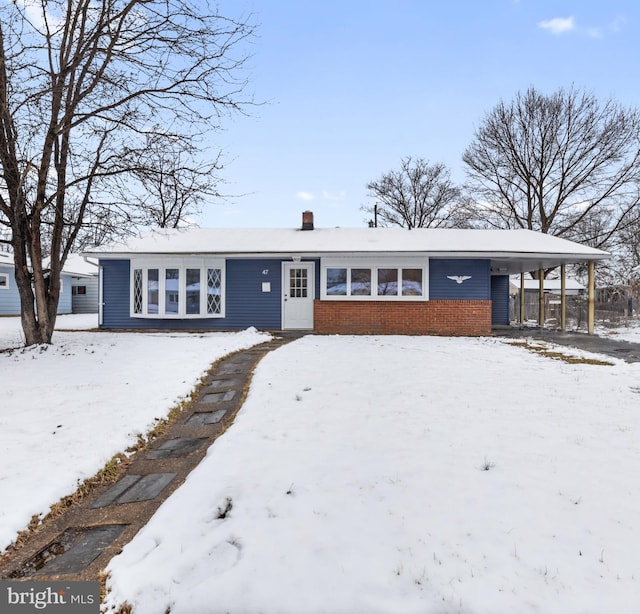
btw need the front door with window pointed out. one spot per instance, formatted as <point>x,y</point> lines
<point>297,295</point>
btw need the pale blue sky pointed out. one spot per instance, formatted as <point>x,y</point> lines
<point>351,87</point>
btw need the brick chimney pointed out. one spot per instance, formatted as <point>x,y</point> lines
<point>307,220</point>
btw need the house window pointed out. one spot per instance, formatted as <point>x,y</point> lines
<point>298,283</point>
<point>360,282</point>
<point>193,291</point>
<point>4,281</point>
<point>363,279</point>
<point>412,282</point>
<point>387,282</point>
<point>177,288</point>
<point>214,291</point>
<point>78,290</point>
<point>337,282</point>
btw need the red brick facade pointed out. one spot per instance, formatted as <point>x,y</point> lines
<point>437,317</point>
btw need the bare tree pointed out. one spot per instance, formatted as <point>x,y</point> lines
<point>173,184</point>
<point>563,164</point>
<point>85,86</point>
<point>419,195</point>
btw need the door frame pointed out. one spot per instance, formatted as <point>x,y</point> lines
<point>311,268</point>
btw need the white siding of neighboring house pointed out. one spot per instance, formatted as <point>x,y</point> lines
<point>87,302</point>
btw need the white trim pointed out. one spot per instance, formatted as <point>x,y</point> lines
<point>374,262</point>
<point>7,283</point>
<point>162,264</point>
<point>100,295</point>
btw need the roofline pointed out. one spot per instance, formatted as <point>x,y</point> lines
<point>572,256</point>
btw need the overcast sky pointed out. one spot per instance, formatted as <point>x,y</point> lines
<point>352,86</point>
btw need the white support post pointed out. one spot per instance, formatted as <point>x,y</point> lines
<point>541,298</point>
<point>563,297</point>
<point>591,311</point>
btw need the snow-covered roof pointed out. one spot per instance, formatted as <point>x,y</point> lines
<point>77,266</point>
<point>551,284</point>
<point>503,247</point>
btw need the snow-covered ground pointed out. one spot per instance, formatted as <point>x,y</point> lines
<point>66,409</point>
<point>406,474</point>
<point>630,332</point>
<point>362,475</point>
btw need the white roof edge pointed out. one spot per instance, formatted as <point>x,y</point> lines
<point>461,243</point>
<point>574,257</point>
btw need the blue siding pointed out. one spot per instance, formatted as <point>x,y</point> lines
<point>9,297</point>
<point>500,299</point>
<point>115,284</point>
<point>478,287</point>
<point>245,302</point>
<point>64,302</point>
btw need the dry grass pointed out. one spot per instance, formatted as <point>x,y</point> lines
<point>544,350</point>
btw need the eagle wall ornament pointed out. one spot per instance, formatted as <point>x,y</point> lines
<point>459,278</point>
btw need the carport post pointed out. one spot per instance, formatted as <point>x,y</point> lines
<point>563,297</point>
<point>541,298</point>
<point>591,311</point>
<point>521,298</point>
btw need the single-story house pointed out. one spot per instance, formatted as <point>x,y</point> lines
<point>326,280</point>
<point>9,297</point>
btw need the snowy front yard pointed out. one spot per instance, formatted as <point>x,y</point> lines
<point>362,475</point>
<point>68,408</point>
<point>399,474</point>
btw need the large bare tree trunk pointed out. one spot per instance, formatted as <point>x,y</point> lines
<point>85,87</point>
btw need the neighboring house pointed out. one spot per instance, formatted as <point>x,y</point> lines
<point>551,286</point>
<point>327,280</point>
<point>9,297</point>
<point>575,296</point>
<point>84,284</point>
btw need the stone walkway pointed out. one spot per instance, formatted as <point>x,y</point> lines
<point>78,544</point>
<point>630,352</point>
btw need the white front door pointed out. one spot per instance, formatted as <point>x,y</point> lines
<point>297,295</point>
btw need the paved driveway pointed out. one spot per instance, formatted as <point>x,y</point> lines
<point>625,350</point>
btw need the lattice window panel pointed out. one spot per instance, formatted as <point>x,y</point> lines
<point>214,290</point>
<point>137,291</point>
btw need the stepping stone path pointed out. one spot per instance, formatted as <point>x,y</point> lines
<point>79,543</point>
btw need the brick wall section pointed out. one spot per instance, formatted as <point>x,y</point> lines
<point>437,317</point>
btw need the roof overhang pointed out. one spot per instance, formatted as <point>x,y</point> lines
<point>509,251</point>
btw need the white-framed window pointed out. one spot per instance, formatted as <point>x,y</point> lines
<point>375,278</point>
<point>177,288</point>
<point>4,281</point>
